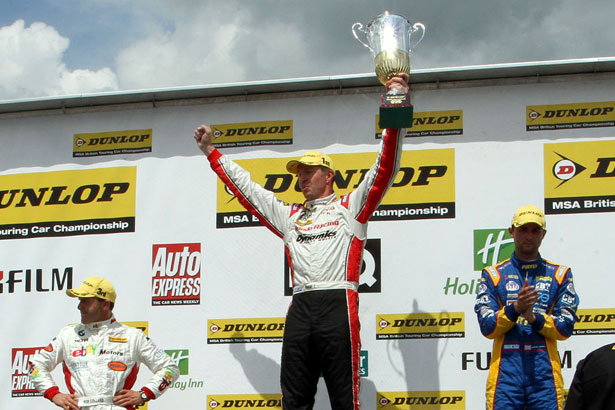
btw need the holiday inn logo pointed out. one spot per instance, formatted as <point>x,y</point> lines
<point>491,246</point>
<point>180,357</point>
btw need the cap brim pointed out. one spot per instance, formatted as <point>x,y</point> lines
<point>292,166</point>
<point>529,221</point>
<point>74,293</point>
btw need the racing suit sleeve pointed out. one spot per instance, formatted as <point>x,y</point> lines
<point>42,364</point>
<point>363,201</point>
<point>165,370</point>
<point>257,200</point>
<point>559,323</point>
<point>494,319</point>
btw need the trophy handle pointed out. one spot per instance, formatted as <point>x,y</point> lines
<point>417,26</point>
<point>359,27</point>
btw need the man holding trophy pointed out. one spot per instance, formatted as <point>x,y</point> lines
<point>324,239</point>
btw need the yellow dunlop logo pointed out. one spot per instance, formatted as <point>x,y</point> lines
<point>595,322</point>
<point>251,330</point>
<point>424,188</point>
<point>422,400</point>
<point>242,401</point>
<point>252,133</point>
<point>432,123</point>
<point>420,325</point>
<point>66,203</point>
<point>579,177</point>
<point>112,143</point>
<point>570,116</point>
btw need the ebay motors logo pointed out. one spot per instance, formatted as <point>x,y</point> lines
<point>21,383</point>
<point>84,351</point>
<point>176,274</point>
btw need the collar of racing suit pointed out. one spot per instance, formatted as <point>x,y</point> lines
<point>98,325</point>
<point>320,201</point>
<point>528,268</point>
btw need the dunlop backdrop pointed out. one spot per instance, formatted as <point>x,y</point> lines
<point>209,284</point>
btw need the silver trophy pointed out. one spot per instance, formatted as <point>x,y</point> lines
<point>389,38</point>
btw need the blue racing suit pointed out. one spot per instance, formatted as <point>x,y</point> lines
<point>525,370</point>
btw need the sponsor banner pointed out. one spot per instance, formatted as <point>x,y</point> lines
<point>420,325</point>
<point>181,358</point>
<point>249,330</point>
<point>71,228</point>
<point>371,270</point>
<point>242,401</point>
<point>595,322</point>
<point>461,286</point>
<point>112,143</point>
<point>363,364</point>
<point>21,384</point>
<point>431,123</point>
<point>424,188</point>
<point>427,400</point>
<point>416,211</point>
<point>570,116</point>
<point>491,246</point>
<point>36,280</point>
<point>482,360</point>
<point>252,133</point>
<point>68,203</point>
<point>144,326</point>
<point>176,274</point>
<point>579,177</point>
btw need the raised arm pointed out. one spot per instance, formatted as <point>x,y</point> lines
<point>202,135</point>
<point>260,202</point>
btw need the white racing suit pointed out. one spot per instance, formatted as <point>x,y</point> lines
<point>324,241</point>
<point>100,359</point>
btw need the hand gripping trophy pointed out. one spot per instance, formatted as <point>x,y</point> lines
<point>389,39</point>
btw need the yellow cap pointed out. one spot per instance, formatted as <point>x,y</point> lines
<point>94,287</point>
<point>311,158</point>
<point>529,214</point>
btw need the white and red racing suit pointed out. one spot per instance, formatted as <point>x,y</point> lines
<point>100,359</point>
<point>324,241</point>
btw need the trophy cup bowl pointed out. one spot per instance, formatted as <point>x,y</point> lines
<point>389,38</point>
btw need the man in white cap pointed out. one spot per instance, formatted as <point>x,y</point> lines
<point>324,240</point>
<point>526,304</point>
<point>100,357</point>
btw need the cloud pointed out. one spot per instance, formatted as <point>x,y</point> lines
<point>31,65</point>
<point>190,54</point>
<point>143,44</point>
<point>204,48</point>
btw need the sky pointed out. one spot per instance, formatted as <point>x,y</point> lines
<point>75,47</point>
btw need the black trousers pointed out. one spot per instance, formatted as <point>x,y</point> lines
<point>321,336</point>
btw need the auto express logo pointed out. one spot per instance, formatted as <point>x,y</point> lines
<point>21,382</point>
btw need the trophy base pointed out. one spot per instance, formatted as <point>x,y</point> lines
<point>396,111</point>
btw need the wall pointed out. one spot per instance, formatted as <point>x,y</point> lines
<point>487,148</point>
